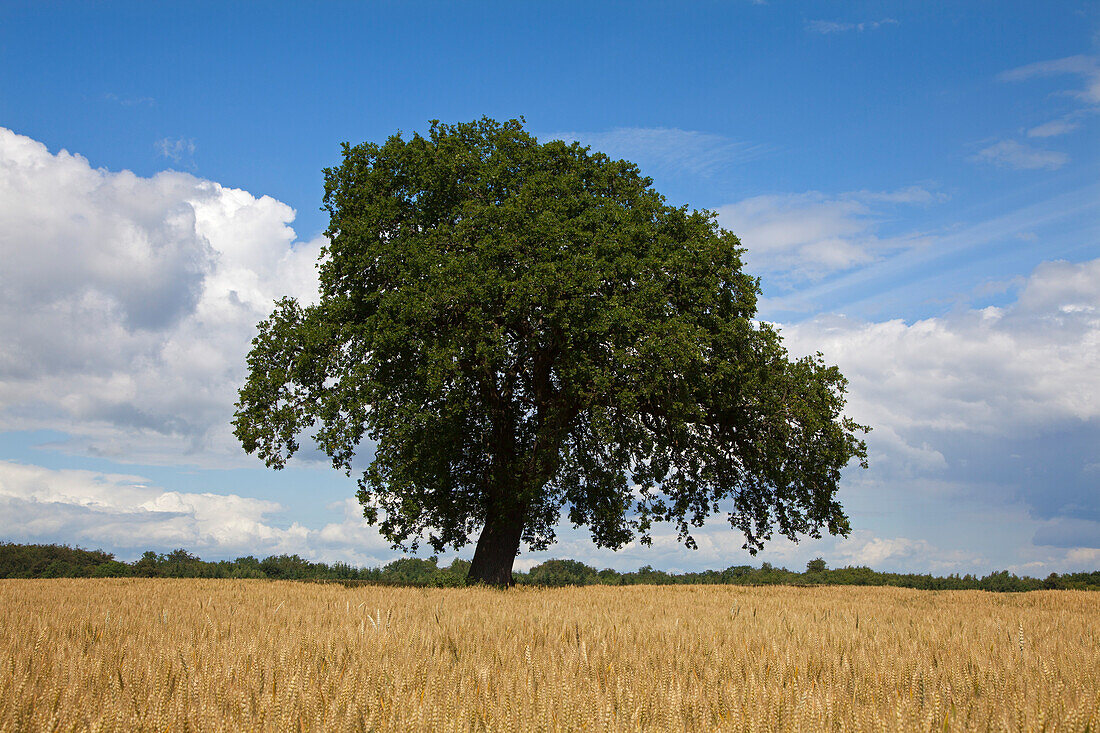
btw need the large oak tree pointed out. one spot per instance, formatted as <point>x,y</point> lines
<point>518,328</point>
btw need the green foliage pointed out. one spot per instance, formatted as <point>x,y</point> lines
<point>148,565</point>
<point>410,571</point>
<point>817,565</point>
<point>112,569</point>
<point>287,567</point>
<point>556,573</point>
<point>34,561</point>
<point>525,327</point>
<point>27,561</point>
<point>60,569</point>
<point>648,576</point>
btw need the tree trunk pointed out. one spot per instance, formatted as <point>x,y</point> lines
<point>496,549</point>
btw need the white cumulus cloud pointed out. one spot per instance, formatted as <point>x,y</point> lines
<point>996,406</point>
<point>127,304</point>
<point>990,370</point>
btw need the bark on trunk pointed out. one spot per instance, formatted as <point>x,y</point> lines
<point>496,550</point>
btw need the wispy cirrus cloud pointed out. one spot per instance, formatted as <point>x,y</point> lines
<point>128,101</point>
<point>177,149</point>
<point>1054,128</point>
<point>826,27</point>
<point>1086,67</point>
<point>1017,155</point>
<point>808,235</point>
<point>668,149</point>
<point>940,255</point>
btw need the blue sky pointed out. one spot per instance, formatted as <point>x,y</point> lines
<point>916,186</point>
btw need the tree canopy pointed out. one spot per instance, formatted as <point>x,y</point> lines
<point>518,328</point>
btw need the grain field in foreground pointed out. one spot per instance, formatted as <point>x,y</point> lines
<point>246,655</point>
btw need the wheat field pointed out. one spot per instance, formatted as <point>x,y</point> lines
<point>145,654</point>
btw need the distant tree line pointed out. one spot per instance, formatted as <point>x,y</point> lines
<point>62,561</point>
